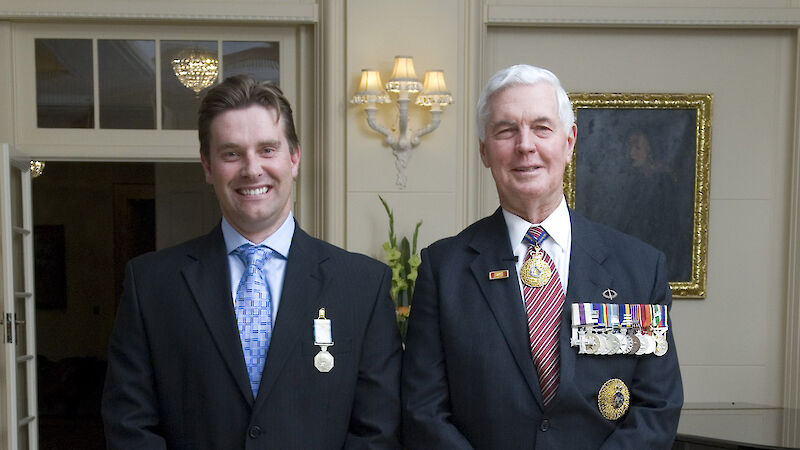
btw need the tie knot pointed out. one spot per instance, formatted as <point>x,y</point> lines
<point>252,254</point>
<point>534,233</point>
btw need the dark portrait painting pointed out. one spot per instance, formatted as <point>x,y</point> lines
<point>635,170</point>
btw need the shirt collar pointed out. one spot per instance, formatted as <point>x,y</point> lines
<point>279,241</point>
<point>557,225</point>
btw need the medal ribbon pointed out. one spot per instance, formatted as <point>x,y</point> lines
<point>612,315</point>
<point>628,314</point>
<point>537,242</point>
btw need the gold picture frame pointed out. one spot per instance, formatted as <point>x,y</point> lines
<point>641,165</point>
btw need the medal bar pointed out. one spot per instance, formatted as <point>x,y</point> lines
<point>619,329</point>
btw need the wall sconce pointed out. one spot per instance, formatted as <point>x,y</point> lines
<point>403,82</point>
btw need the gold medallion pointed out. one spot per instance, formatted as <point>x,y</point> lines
<point>535,271</point>
<point>613,399</point>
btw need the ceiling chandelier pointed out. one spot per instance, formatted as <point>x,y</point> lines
<point>196,69</point>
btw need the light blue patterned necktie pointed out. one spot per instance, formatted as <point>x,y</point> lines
<point>254,310</point>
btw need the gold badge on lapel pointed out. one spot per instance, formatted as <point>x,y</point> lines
<point>613,399</point>
<point>535,272</point>
<point>498,274</point>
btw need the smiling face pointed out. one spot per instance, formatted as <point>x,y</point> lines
<point>252,169</point>
<point>526,148</point>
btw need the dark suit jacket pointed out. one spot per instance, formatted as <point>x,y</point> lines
<point>468,377</point>
<point>177,378</point>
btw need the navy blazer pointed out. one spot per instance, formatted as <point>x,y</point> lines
<point>468,377</point>
<point>176,374</point>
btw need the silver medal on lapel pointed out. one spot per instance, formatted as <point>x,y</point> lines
<point>323,337</point>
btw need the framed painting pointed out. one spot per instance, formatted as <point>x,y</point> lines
<point>641,165</point>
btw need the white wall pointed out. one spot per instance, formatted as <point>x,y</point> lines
<point>430,32</point>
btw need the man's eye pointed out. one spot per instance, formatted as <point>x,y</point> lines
<point>504,133</point>
<point>267,150</point>
<point>229,155</point>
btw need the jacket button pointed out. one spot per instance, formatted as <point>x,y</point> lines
<point>545,425</point>
<point>254,431</point>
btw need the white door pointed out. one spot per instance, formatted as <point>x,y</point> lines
<point>18,414</point>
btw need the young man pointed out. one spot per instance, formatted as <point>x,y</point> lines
<point>256,335</point>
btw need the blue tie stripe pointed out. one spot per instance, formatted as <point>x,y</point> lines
<point>254,310</point>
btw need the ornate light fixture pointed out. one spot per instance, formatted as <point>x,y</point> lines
<point>196,69</point>
<point>37,168</point>
<point>403,82</point>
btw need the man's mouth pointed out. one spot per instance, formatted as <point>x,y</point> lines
<point>527,169</point>
<point>253,191</point>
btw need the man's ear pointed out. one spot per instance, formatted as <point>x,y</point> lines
<point>295,159</point>
<point>573,135</point>
<point>482,149</point>
<point>206,169</point>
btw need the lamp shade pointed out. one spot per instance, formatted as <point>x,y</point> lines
<point>370,88</point>
<point>434,92</point>
<point>403,78</point>
<point>370,82</point>
<point>403,69</point>
<point>434,83</point>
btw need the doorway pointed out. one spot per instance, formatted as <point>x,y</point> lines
<point>90,218</point>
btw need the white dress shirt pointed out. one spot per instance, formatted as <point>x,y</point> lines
<point>557,245</point>
<point>279,242</point>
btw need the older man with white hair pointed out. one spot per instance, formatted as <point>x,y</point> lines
<point>534,327</point>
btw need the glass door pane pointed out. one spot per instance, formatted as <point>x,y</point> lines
<point>257,59</point>
<point>127,81</point>
<point>179,101</point>
<point>64,89</point>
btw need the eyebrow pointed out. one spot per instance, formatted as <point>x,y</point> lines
<point>267,143</point>
<point>270,143</point>
<point>539,119</point>
<point>501,123</point>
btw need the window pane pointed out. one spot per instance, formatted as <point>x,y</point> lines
<point>127,78</point>
<point>257,59</point>
<point>64,90</point>
<point>179,102</point>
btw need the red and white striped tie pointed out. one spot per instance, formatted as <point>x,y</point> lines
<point>544,305</point>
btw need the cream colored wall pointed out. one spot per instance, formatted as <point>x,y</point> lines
<point>6,91</point>
<point>241,10</point>
<point>430,32</point>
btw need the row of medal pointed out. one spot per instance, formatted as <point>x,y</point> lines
<point>619,329</point>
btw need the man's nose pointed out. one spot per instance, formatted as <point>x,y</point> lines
<point>525,141</point>
<point>250,165</point>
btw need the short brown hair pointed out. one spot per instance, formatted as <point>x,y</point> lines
<point>242,91</point>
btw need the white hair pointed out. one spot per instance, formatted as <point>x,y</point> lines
<point>522,74</point>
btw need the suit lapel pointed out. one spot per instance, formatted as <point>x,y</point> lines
<point>503,296</point>
<point>588,278</point>
<point>302,284</point>
<point>208,277</point>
